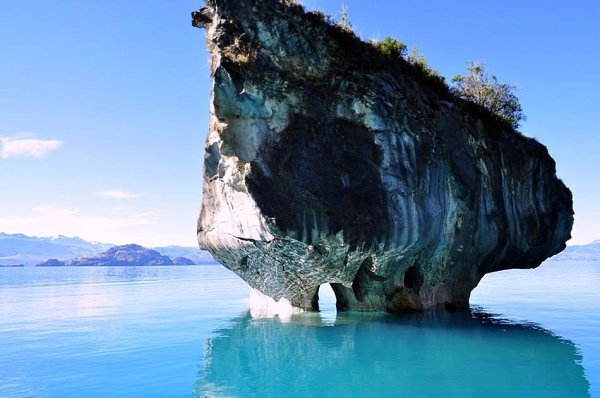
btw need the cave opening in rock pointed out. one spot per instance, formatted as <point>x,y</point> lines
<point>413,279</point>
<point>327,300</point>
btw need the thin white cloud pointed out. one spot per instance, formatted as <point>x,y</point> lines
<point>118,194</point>
<point>25,145</point>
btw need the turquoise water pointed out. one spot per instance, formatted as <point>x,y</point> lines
<point>185,332</point>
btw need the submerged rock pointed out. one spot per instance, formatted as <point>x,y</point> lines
<point>328,161</point>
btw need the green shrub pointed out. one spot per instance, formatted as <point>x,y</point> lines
<point>483,89</point>
<point>392,47</point>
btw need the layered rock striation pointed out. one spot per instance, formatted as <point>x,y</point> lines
<point>328,161</point>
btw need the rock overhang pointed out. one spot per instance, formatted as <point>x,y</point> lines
<point>325,163</point>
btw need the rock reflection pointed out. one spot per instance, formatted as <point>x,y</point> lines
<point>419,355</point>
<point>130,273</point>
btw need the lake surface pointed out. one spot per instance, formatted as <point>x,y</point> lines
<point>186,332</point>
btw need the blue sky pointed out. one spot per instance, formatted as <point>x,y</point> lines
<point>104,105</point>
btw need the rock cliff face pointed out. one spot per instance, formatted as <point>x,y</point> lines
<point>329,162</point>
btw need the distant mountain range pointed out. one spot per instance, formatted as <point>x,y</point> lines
<point>31,250</point>
<point>17,249</point>
<point>589,252</point>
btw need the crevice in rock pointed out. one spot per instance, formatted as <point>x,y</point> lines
<point>315,300</point>
<point>364,280</point>
<point>342,301</point>
<point>413,279</point>
<point>360,284</point>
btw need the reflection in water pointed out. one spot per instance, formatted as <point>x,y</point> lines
<point>131,273</point>
<point>420,355</point>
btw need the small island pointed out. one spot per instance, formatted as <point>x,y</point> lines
<point>125,255</point>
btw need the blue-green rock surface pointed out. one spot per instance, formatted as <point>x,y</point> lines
<point>328,161</point>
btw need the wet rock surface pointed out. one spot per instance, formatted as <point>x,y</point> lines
<point>329,162</point>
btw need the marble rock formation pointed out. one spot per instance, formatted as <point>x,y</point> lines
<point>329,161</point>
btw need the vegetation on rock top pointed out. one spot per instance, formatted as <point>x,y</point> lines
<point>481,90</point>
